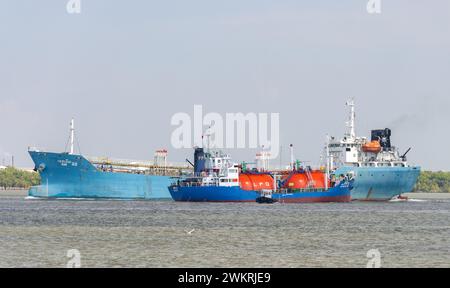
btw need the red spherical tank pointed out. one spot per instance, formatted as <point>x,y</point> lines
<point>301,180</point>
<point>296,181</point>
<point>319,179</point>
<point>256,182</point>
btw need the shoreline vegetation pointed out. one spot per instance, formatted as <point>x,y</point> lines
<point>12,178</point>
<point>428,182</point>
<point>433,182</point>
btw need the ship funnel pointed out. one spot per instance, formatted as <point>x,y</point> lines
<point>199,161</point>
<point>384,136</point>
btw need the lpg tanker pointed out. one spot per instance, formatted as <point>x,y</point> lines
<point>217,179</point>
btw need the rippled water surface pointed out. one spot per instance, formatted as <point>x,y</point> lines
<point>38,233</point>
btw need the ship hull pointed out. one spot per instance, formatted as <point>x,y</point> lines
<point>236,194</point>
<point>72,176</point>
<point>381,183</point>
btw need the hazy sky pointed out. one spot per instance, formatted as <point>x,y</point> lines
<point>123,68</point>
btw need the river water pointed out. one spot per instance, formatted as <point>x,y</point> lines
<point>108,233</point>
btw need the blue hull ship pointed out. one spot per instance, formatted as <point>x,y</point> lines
<point>65,175</point>
<point>217,179</point>
<point>380,172</point>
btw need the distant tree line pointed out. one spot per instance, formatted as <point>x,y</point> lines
<point>433,182</point>
<point>15,178</point>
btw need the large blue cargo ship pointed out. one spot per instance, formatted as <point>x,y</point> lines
<point>381,172</point>
<point>68,175</point>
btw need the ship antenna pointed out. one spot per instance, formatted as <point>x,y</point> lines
<point>72,136</point>
<point>292,156</point>
<point>351,121</point>
<point>207,135</point>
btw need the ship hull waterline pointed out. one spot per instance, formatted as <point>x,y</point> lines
<point>236,194</point>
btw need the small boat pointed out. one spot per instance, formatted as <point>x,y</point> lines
<point>372,147</point>
<point>399,198</point>
<point>266,197</point>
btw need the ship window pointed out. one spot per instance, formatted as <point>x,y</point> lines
<point>347,149</point>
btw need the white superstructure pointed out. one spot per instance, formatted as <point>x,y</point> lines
<point>220,170</point>
<point>359,151</point>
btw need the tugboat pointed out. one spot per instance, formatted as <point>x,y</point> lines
<point>217,179</point>
<point>265,197</point>
<point>381,172</point>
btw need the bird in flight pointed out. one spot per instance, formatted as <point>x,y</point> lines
<point>190,232</point>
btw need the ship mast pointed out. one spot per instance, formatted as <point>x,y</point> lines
<point>72,136</point>
<point>351,120</point>
<point>292,156</point>
<point>207,134</point>
<point>327,156</point>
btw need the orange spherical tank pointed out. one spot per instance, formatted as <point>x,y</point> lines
<point>296,181</point>
<point>319,178</point>
<point>256,182</point>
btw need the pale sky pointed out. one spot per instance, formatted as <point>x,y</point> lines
<point>123,68</point>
